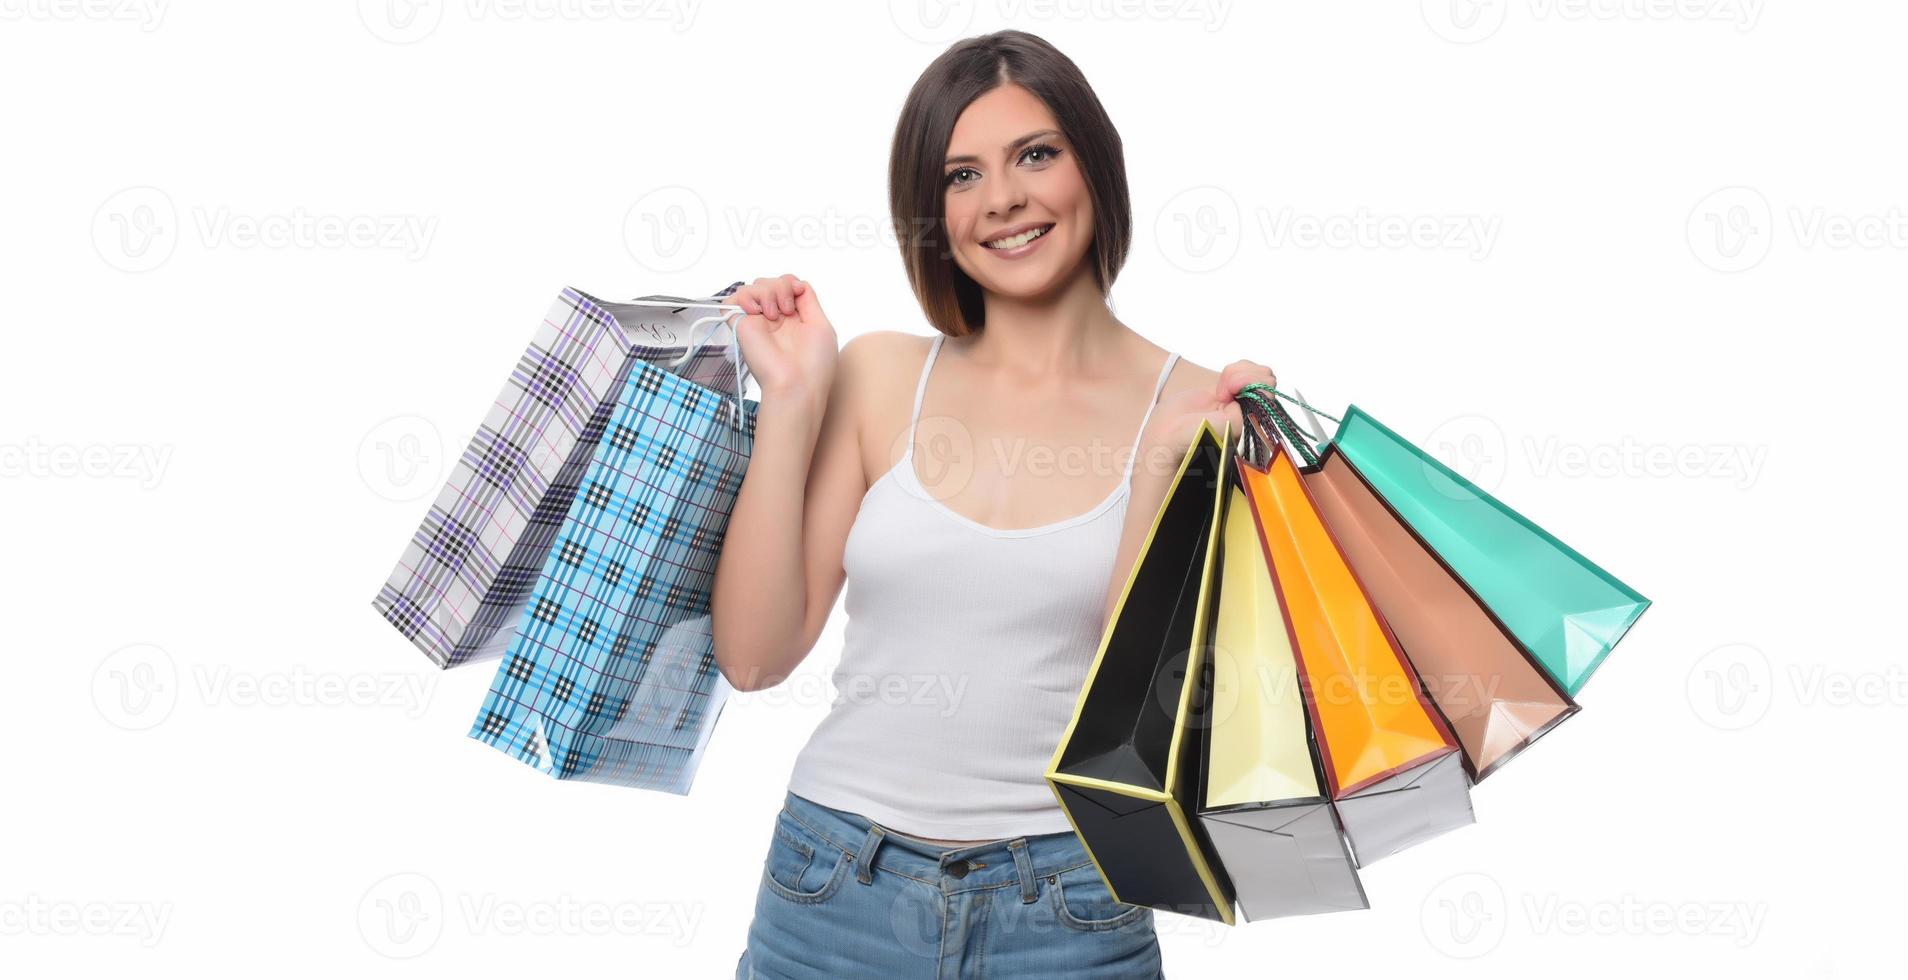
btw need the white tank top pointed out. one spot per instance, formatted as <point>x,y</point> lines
<point>964,652</point>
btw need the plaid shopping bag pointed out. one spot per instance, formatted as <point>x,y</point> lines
<point>467,571</point>
<point>611,676</point>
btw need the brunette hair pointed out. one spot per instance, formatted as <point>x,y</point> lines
<point>964,72</point>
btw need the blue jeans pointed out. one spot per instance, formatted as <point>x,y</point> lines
<point>843,898</point>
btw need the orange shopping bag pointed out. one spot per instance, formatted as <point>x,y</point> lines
<point>1393,766</point>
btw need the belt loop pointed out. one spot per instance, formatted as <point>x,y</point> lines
<point>1023,863</point>
<point>864,861</point>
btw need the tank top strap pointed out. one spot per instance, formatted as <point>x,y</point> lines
<point>1159,385</point>
<point>920,388</point>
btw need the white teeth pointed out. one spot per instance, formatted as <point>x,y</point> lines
<point>1018,240</point>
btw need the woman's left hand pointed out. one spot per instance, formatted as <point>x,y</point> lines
<point>1174,423</point>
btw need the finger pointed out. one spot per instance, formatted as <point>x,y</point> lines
<point>784,296</point>
<point>794,283</point>
<point>808,306</point>
<point>1232,378</point>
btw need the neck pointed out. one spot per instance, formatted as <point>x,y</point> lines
<point>1069,329</point>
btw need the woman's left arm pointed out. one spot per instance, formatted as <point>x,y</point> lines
<point>1169,433</point>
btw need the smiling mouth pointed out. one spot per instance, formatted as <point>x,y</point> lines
<point>1016,240</point>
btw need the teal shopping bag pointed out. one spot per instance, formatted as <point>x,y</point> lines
<point>1565,608</point>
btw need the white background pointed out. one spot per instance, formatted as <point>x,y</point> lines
<point>1663,328</point>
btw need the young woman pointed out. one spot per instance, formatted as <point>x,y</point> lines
<point>983,493</point>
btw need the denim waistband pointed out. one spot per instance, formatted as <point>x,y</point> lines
<point>991,864</point>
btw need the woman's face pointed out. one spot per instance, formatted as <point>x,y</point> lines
<point>1018,213</point>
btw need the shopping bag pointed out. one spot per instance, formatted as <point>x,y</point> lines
<point>1391,763</point>
<point>610,676</point>
<point>1486,684</point>
<point>1263,801</point>
<point>1564,608</point>
<point>464,576</point>
<point>1126,768</point>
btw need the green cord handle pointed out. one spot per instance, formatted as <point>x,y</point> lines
<point>1282,420</point>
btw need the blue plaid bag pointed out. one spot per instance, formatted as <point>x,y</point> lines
<point>611,676</point>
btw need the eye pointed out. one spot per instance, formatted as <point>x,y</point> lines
<point>1047,153</point>
<point>954,177</point>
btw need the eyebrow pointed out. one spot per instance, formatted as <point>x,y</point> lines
<point>1009,148</point>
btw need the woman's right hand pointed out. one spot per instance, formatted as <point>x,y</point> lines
<point>786,339</point>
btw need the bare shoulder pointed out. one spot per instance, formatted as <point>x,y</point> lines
<point>1188,375</point>
<point>876,372</point>
<point>875,364</point>
<point>883,351</point>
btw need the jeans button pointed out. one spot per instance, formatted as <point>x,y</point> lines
<point>958,869</point>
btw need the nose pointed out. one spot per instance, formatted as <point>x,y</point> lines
<point>1004,194</point>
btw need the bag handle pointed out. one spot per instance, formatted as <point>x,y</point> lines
<point>735,351</point>
<point>1270,411</point>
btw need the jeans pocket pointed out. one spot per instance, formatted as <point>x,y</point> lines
<point>800,866</point>
<point>1081,900</point>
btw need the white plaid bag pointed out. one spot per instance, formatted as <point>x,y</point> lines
<point>466,574</point>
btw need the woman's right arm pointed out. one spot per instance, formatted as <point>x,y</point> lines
<point>780,571</point>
